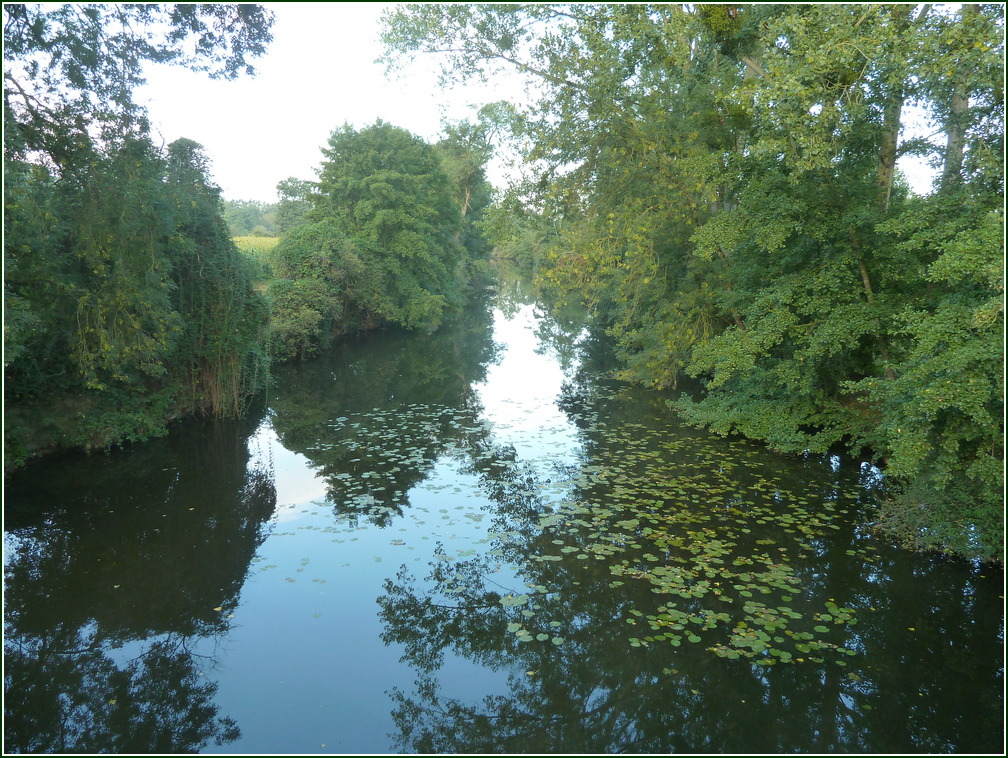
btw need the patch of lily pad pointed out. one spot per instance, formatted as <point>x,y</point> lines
<point>728,553</point>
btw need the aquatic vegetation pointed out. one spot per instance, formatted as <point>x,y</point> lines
<point>725,549</point>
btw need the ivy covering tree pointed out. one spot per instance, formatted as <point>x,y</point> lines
<point>724,181</point>
<point>125,302</point>
<point>389,239</point>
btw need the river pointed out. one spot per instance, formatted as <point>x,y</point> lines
<point>474,542</point>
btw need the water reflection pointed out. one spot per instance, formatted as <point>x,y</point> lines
<point>116,598</point>
<point>917,677</point>
<point>920,682</point>
<point>526,488</point>
<point>372,423</point>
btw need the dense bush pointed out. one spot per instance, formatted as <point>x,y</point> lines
<point>385,242</point>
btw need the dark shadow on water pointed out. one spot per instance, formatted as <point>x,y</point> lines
<point>120,573</point>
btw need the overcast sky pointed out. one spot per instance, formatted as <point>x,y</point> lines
<point>319,73</point>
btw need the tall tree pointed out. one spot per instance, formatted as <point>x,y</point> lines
<point>465,150</point>
<point>381,243</point>
<point>294,202</point>
<point>388,192</point>
<point>222,325</point>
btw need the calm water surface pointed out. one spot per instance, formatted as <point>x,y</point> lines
<point>471,542</point>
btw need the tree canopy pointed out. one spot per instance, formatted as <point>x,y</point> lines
<point>250,218</point>
<point>389,237</point>
<point>70,70</point>
<point>294,202</point>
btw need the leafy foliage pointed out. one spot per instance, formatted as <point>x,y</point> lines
<point>465,150</point>
<point>72,68</point>
<point>294,203</point>
<point>250,218</point>
<point>385,242</point>
<point>129,295</point>
<point>314,265</point>
<point>223,319</point>
<point>388,192</point>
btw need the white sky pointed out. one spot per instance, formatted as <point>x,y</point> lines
<point>319,73</point>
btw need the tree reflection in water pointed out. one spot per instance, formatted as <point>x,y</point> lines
<point>577,684</point>
<point>118,591</point>
<point>415,390</point>
<point>593,693</point>
<point>121,578</point>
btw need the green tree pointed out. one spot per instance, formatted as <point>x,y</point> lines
<point>250,218</point>
<point>310,301</point>
<point>127,302</point>
<point>387,192</point>
<point>465,151</point>
<point>517,232</point>
<point>293,204</point>
<point>223,321</point>
<point>71,69</point>
<point>390,236</point>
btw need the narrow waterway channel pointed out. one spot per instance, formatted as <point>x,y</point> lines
<point>473,542</point>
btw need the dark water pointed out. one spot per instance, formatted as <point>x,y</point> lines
<point>469,542</point>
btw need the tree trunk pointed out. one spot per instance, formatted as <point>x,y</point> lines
<point>892,109</point>
<point>457,238</point>
<point>887,150</point>
<point>958,118</point>
<point>883,343</point>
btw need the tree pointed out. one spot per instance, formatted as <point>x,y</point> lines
<point>247,218</point>
<point>223,320</point>
<point>134,303</point>
<point>387,192</point>
<point>465,150</point>
<point>128,303</point>
<point>309,302</point>
<point>294,203</point>
<point>379,238</point>
<point>70,70</point>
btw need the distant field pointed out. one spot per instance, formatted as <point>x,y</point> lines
<point>255,245</point>
<point>257,250</point>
